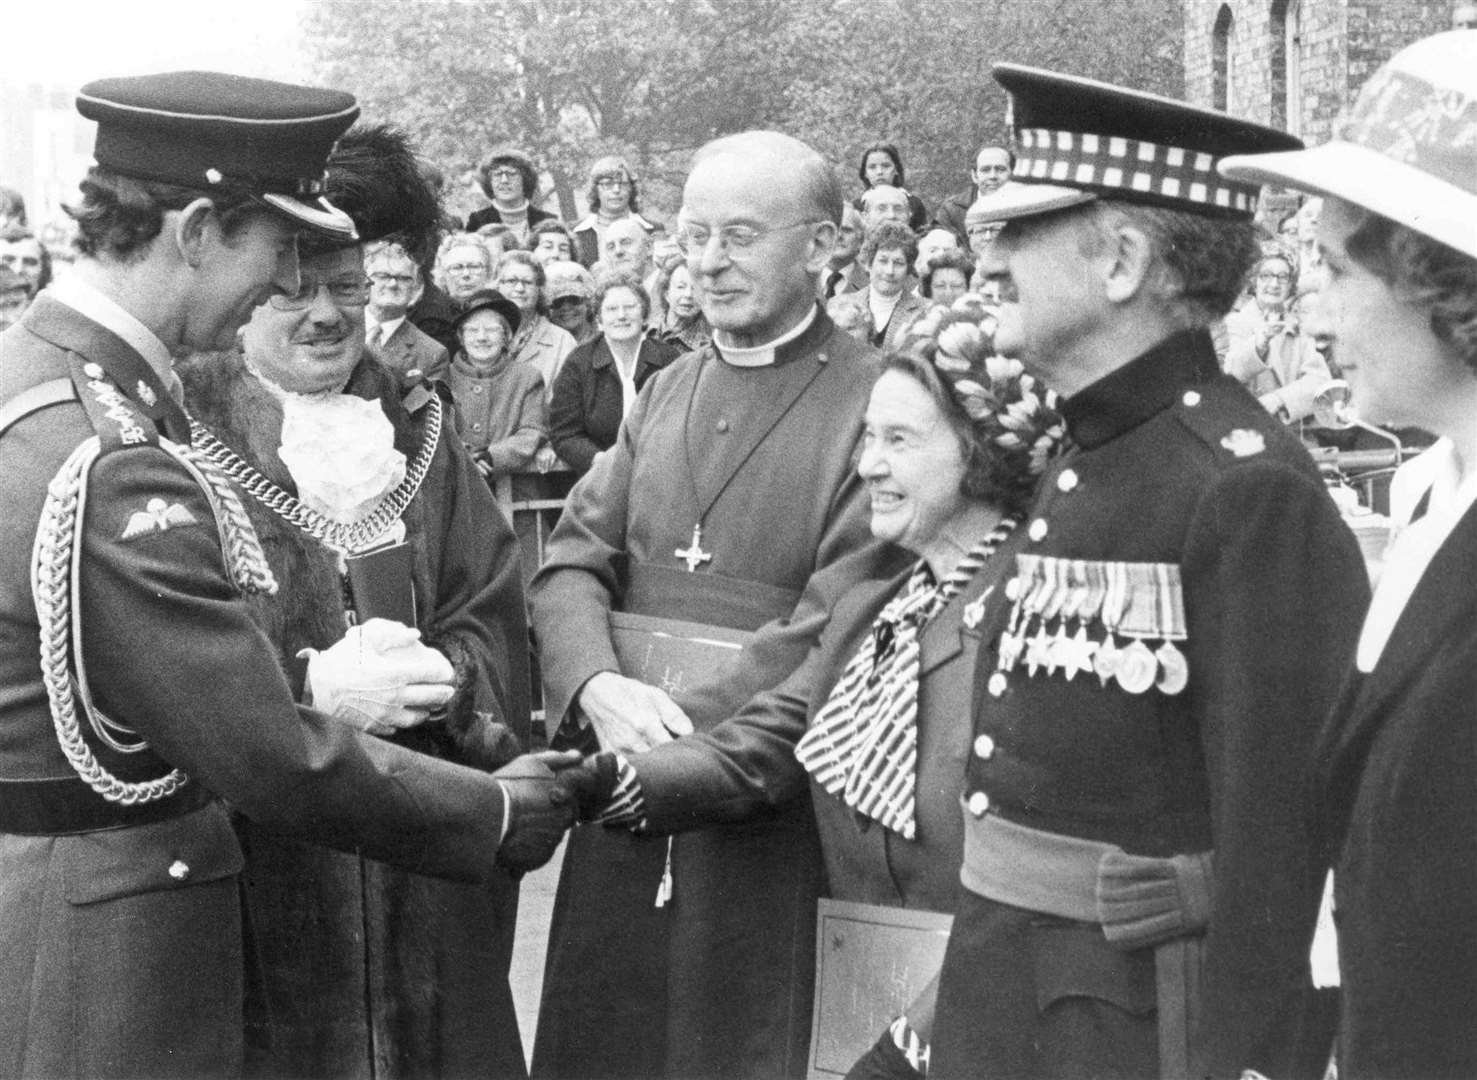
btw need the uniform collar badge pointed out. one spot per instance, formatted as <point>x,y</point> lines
<point>1244,442</point>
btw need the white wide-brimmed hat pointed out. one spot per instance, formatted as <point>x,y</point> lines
<point>1408,150</point>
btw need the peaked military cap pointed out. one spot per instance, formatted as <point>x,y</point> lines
<point>1407,150</point>
<point>1080,140</point>
<point>206,130</point>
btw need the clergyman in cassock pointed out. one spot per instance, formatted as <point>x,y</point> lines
<point>731,482</point>
<point>1139,895</point>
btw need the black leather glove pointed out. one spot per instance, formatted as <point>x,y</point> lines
<point>591,784</point>
<point>540,809</point>
<point>883,1062</point>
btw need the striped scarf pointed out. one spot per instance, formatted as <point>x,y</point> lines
<point>863,746</point>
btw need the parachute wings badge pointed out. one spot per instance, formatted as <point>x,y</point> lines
<point>157,515</point>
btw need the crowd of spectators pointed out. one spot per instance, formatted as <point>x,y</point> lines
<point>893,262</point>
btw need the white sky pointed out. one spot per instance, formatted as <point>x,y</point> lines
<point>68,42</point>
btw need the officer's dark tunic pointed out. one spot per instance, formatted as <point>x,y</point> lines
<point>718,982</point>
<point>1177,466</point>
<point>120,927</point>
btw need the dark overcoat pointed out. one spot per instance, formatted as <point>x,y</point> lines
<point>1398,820</point>
<point>585,409</point>
<point>355,968</point>
<point>120,927</point>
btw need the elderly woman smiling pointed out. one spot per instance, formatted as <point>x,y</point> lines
<point>500,412</point>
<point>876,720</point>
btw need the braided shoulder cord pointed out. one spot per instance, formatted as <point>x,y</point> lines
<point>344,538</point>
<point>54,581</point>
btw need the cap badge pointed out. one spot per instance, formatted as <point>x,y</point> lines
<point>1244,442</point>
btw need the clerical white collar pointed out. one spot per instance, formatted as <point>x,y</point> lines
<point>760,355</point>
<point>90,302</point>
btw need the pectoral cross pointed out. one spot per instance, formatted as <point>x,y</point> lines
<point>694,555</point>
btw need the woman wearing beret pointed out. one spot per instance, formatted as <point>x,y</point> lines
<point>499,403</point>
<point>1397,784</point>
<point>876,720</point>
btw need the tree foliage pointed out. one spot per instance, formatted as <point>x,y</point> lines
<point>569,80</point>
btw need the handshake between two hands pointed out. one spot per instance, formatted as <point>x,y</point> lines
<point>547,793</point>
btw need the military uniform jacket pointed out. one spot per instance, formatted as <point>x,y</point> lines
<point>1258,584</point>
<point>1397,807</point>
<point>136,927</point>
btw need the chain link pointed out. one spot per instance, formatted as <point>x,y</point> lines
<point>344,538</point>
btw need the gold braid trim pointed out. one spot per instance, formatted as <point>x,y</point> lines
<point>54,564</point>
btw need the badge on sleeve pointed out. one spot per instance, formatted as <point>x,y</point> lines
<point>1244,442</point>
<point>156,516</point>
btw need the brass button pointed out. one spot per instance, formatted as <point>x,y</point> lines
<point>1037,532</point>
<point>984,747</point>
<point>1067,481</point>
<point>179,870</point>
<point>1013,589</point>
<point>1191,398</point>
<point>997,684</point>
<point>979,804</point>
<point>722,426</point>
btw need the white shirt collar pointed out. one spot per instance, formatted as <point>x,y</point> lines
<point>88,301</point>
<point>760,355</point>
<point>389,326</point>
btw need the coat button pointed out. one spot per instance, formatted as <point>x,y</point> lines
<point>1191,398</point>
<point>997,684</point>
<point>1067,481</point>
<point>984,747</point>
<point>179,870</point>
<point>476,389</point>
<point>1037,532</point>
<point>979,803</point>
<point>476,427</point>
<point>1013,589</point>
<point>722,426</point>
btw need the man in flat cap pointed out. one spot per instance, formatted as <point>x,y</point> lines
<point>153,700</point>
<point>1138,894</point>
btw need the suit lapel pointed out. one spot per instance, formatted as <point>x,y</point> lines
<point>1443,598</point>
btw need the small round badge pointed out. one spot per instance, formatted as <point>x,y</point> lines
<point>1174,670</point>
<point>1136,668</point>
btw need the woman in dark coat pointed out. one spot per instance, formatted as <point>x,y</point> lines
<point>954,441</point>
<point>1397,780</point>
<point>599,381</point>
<point>882,164</point>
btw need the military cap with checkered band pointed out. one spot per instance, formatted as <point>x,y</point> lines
<point>215,132</point>
<point>1080,140</point>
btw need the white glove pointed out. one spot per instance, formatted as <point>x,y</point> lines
<point>379,677</point>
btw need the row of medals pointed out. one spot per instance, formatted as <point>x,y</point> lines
<point>1135,667</point>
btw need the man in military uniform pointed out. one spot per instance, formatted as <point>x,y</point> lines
<point>153,697</point>
<point>1139,896</point>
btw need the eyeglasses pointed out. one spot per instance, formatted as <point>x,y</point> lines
<point>344,293</point>
<point>611,182</point>
<point>1274,275</point>
<point>506,174</point>
<point>467,268</point>
<point>517,283</point>
<point>379,277</point>
<point>732,239</point>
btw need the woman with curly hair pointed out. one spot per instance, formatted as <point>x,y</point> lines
<point>876,721</point>
<point>888,306</point>
<point>510,180</point>
<point>1397,779</point>
<point>613,197</point>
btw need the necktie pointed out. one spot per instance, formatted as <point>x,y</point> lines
<point>863,746</point>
